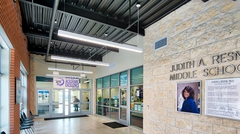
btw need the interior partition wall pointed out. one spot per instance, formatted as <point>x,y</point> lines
<point>120,97</point>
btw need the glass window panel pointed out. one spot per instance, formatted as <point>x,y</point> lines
<point>106,111</point>
<point>136,119</point>
<point>114,97</point>
<point>43,96</point>
<point>86,96</point>
<point>43,109</point>
<point>114,80</point>
<point>75,108</point>
<point>136,76</point>
<point>136,98</point>
<point>123,113</point>
<point>57,96</point>
<point>99,110</point>
<point>123,79</point>
<point>57,108</point>
<point>99,83</point>
<point>99,97</point>
<point>114,113</point>
<point>85,107</point>
<point>106,97</point>
<point>75,96</point>
<point>106,82</point>
<point>123,97</point>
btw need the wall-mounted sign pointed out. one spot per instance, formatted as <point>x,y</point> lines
<point>223,98</point>
<point>65,82</point>
<point>181,70</point>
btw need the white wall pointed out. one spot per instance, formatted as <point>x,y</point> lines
<point>124,59</point>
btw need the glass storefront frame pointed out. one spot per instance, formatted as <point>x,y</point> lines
<point>84,94</point>
<point>125,80</point>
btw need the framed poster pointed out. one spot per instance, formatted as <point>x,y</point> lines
<point>189,97</point>
<point>18,91</point>
<point>223,98</point>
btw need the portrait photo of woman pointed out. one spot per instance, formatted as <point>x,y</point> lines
<point>188,95</point>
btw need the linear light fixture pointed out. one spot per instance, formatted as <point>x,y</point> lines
<point>68,70</point>
<point>98,41</point>
<point>57,75</point>
<point>78,60</point>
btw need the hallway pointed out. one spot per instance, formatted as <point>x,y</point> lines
<point>83,125</point>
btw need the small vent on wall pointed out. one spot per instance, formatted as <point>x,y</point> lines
<point>112,66</point>
<point>160,43</point>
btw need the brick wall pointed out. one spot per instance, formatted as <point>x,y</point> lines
<point>196,30</point>
<point>10,19</point>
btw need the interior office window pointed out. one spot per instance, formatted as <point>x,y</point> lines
<point>23,77</point>
<point>123,78</point>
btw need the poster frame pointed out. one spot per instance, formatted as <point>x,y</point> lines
<point>18,91</point>
<point>206,89</point>
<point>178,90</point>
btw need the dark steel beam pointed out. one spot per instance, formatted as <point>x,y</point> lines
<point>42,51</point>
<point>54,10</point>
<point>65,7</point>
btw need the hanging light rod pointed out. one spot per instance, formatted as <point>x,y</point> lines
<point>78,60</point>
<point>68,70</point>
<point>98,41</point>
<point>57,75</point>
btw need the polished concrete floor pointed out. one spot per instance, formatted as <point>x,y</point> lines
<point>83,125</point>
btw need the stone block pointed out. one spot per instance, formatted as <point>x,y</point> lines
<point>181,57</point>
<point>205,38</point>
<point>228,6</point>
<point>161,111</point>
<point>197,30</point>
<point>238,42</point>
<point>168,103</point>
<point>183,123</point>
<point>218,129</point>
<point>162,78</point>
<point>210,119</point>
<point>172,129</point>
<point>159,70</point>
<point>231,123</point>
<point>236,16</point>
<point>148,72</point>
<point>222,46</point>
<point>165,60</point>
<point>185,25</point>
<point>219,22</point>
<point>183,131</point>
<point>201,50</point>
<point>202,127</point>
<point>167,120</point>
<point>206,15</point>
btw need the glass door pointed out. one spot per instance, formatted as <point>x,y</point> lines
<point>43,102</point>
<point>85,104</point>
<point>74,101</point>
<point>57,102</point>
<point>123,106</point>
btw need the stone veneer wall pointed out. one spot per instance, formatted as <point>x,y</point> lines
<point>196,30</point>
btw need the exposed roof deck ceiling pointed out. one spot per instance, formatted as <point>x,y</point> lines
<point>112,20</point>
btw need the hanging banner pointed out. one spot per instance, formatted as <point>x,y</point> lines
<point>65,82</point>
<point>223,98</point>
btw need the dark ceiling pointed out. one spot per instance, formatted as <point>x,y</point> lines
<point>112,20</point>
